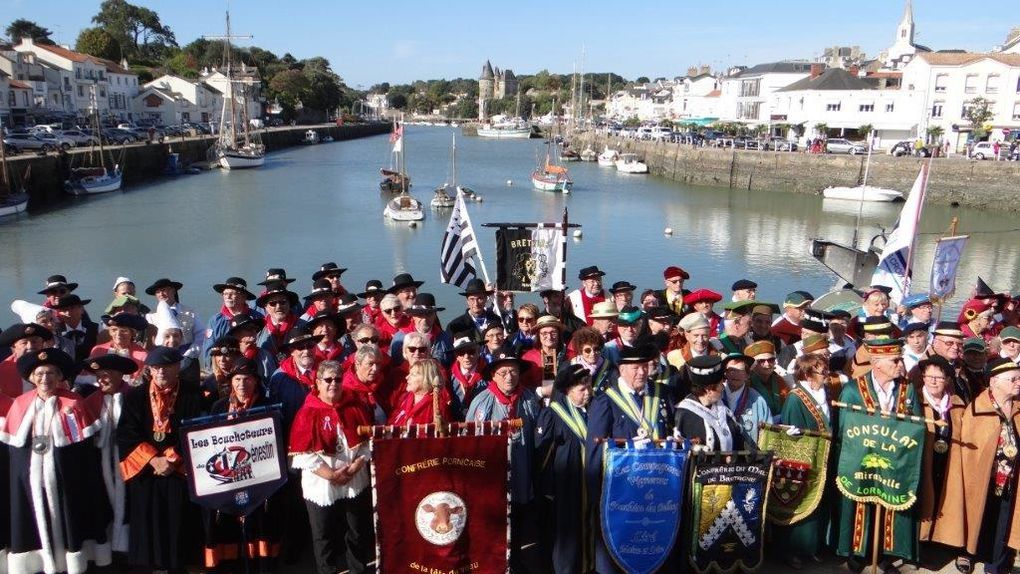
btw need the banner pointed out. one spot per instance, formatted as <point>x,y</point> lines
<point>642,492</point>
<point>893,265</point>
<point>728,501</point>
<point>948,252</point>
<point>879,459</point>
<point>529,259</point>
<point>441,504</point>
<point>235,465</point>
<point>799,473</point>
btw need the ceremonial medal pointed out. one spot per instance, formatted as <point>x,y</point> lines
<point>40,444</point>
<point>159,436</point>
<point>942,447</point>
<point>1009,450</point>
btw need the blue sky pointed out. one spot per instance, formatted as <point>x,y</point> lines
<point>399,40</point>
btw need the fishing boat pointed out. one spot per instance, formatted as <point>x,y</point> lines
<point>862,193</point>
<point>551,177</point>
<point>13,198</point>
<point>95,177</point>
<point>311,137</point>
<point>503,127</point>
<point>588,154</point>
<point>608,157</point>
<point>567,154</point>
<point>238,146</point>
<point>441,199</point>
<point>404,208</point>
<point>629,163</point>
<point>395,180</point>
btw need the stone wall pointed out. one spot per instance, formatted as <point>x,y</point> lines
<point>145,162</point>
<point>952,181</point>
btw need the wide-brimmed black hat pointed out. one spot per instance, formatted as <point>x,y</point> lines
<point>590,271</point>
<point>638,354</point>
<point>274,290</point>
<point>109,362</point>
<point>276,275</point>
<point>622,287</point>
<point>299,339</point>
<point>244,366</point>
<point>662,314</point>
<point>748,361</point>
<point>475,287</point>
<point>372,287</point>
<point>321,289</point>
<point>245,321</point>
<point>129,320</point>
<point>59,359</point>
<point>424,303</point>
<point>54,282</point>
<point>705,370</point>
<point>163,282</point>
<point>403,281</point>
<point>19,331</point>
<point>324,315</point>
<point>327,269</point>
<point>569,376</point>
<point>504,357</point>
<point>161,356</point>
<point>71,300</point>
<point>348,304</point>
<point>464,341</point>
<point>225,345</point>
<point>547,292</point>
<point>237,284</point>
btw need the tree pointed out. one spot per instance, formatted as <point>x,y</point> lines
<point>289,86</point>
<point>22,28</point>
<point>642,80</point>
<point>864,130</point>
<point>934,133</point>
<point>978,112</point>
<point>138,30</point>
<point>183,64</point>
<point>99,43</point>
<point>822,129</point>
<point>382,88</point>
<point>396,100</point>
<point>324,86</point>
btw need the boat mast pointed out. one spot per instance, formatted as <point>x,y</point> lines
<point>95,123</point>
<point>403,157</point>
<point>864,187</point>
<point>3,160</point>
<point>455,161</point>
<point>580,91</point>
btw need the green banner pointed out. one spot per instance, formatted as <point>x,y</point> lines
<point>879,459</point>
<point>798,475</point>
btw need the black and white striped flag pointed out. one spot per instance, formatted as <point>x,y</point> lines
<point>456,259</point>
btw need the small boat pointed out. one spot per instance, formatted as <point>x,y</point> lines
<point>551,178</point>
<point>569,155</point>
<point>589,154</point>
<point>629,163</point>
<point>13,198</point>
<point>93,180</point>
<point>13,203</point>
<point>505,131</point>
<point>468,193</point>
<point>311,137</point>
<point>404,208</point>
<point>608,157</point>
<point>327,138</point>
<point>393,181</point>
<point>237,145</point>
<point>862,193</point>
<point>441,199</point>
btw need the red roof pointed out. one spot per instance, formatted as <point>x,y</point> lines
<point>21,85</point>
<point>65,53</point>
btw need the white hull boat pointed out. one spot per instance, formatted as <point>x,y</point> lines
<point>90,181</point>
<point>311,137</point>
<point>545,181</point>
<point>11,204</point>
<point>238,159</point>
<point>404,208</point>
<point>501,133</point>
<point>441,199</point>
<point>588,154</point>
<point>629,163</point>
<point>862,193</point>
<point>608,157</point>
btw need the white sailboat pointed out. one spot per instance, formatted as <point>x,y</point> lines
<point>863,192</point>
<point>12,199</point>
<point>402,207</point>
<point>96,177</point>
<point>238,147</point>
<point>502,127</point>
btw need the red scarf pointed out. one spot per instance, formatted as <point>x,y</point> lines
<point>308,379</point>
<point>368,393</point>
<point>370,315</point>
<point>509,401</point>
<point>328,354</point>
<point>410,412</point>
<point>251,352</point>
<point>386,331</point>
<point>279,332</point>
<point>588,302</point>
<point>467,382</point>
<point>315,425</point>
<point>227,313</point>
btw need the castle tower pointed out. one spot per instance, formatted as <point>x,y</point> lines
<point>486,86</point>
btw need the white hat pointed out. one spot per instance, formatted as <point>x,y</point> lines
<point>164,320</point>
<point>121,280</point>
<point>28,312</point>
<point>694,321</point>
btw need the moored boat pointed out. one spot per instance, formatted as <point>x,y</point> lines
<point>13,203</point>
<point>441,199</point>
<point>608,157</point>
<point>311,137</point>
<point>505,131</point>
<point>629,163</point>
<point>93,180</point>
<point>238,146</point>
<point>393,182</point>
<point>404,208</point>
<point>588,154</point>
<point>862,193</point>
<point>569,155</point>
<point>551,177</point>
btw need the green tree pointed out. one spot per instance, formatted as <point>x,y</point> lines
<point>183,64</point>
<point>396,100</point>
<point>22,28</point>
<point>864,130</point>
<point>99,43</point>
<point>289,87</point>
<point>324,85</point>
<point>138,30</point>
<point>978,112</point>
<point>934,133</point>
<point>821,129</point>
<point>382,88</point>
<point>642,80</point>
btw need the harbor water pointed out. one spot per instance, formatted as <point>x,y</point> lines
<point>320,203</point>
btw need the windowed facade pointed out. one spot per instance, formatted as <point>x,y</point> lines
<point>869,107</point>
<point>750,88</point>
<point>992,84</point>
<point>970,84</point>
<point>936,109</point>
<point>833,106</point>
<point>940,82</point>
<point>890,108</point>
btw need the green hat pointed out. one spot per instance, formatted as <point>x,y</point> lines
<point>798,299</point>
<point>1010,333</point>
<point>975,344</point>
<point>120,301</point>
<point>885,347</point>
<point>739,308</point>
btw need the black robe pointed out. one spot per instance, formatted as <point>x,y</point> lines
<point>466,323</point>
<point>692,427</point>
<point>165,526</point>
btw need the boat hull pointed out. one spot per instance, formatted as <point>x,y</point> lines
<point>13,204</point>
<point>546,183</point>
<point>94,185</point>
<point>241,161</point>
<point>631,167</point>
<point>404,214</point>
<point>505,134</point>
<point>862,193</point>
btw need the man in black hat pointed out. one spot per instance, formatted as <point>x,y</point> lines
<point>236,296</point>
<point>276,275</point>
<point>78,328</point>
<point>373,296</point>
<point>192,328</point>
<point>405,288</point>
<point>623,294</point>
<point>48,433</point>
<point>331,272</point>
<point>744,290</point>
<point>424,320</point>
<point>477,317</point>
<point>165,530</point>
<point>322,298</point>
<point>246,329</point>
<point>290,384</point>
<point>872,328</point>
<point>56,286</point>
<point>20,339</point>
<point>278,302</point>
<point>588,294</point>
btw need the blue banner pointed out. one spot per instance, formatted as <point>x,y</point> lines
<point>642,494</point>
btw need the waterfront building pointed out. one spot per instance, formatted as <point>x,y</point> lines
<point>15,100</point>
<point>44,81</point>
<point>247,87</point>
<point>123,87</point>
<point>79,73</point>
<point>494,84</point>
<point>747,95</point>
<point>649,102</point>
<point>172,100</point>
<point>695,97</point>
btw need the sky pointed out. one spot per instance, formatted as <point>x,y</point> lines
<point>398,41</point>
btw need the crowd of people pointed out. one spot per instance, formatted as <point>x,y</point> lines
<point>91,412</point>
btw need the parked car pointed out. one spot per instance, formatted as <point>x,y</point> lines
<point>10,149</point>
<point>840,145</point>
<point>781,144</point>
<point>79,137</point>
<point>117,136</point>
<point>907,147</point>
<point>25,140</point>
<point>986,150</point>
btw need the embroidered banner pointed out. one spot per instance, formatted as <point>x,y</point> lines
<point>529,259</point>
<point>728,502</point>
<point>798,475</point>
<point>236,464</point>
<point>879,459</point>
<point>642,491</point>
<point>441,504</point>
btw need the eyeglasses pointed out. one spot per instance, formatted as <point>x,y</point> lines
<point>525,319</point>
<point>952,343</point>
<point>503,373</point>
<point>934,378</point>
<point>276,303</point>
<point>417,349</point>
<point>591,350</point>
<point>391,310</point>
<point>768,360</point>
<point>366,340</point>
<point>330,380</point>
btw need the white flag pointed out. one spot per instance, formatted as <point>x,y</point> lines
<point>948,252</point>
<point>547,246</point>
<point>892,268</point>
<point>456,258</point>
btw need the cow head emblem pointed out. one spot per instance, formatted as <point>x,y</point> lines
<point>441,517</point>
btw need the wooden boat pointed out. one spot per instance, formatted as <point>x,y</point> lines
<point>96,177</point>
<point>550,177</point>
<point>238,146</point>
<point>441,199</point>
<point>393,181</point>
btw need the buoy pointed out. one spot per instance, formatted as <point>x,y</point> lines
<point>509,182</point>
<point>412,224</point>
<point>578,234</point>
<point>566,192</point>
<point>668,231</point>
<point>478,198</point>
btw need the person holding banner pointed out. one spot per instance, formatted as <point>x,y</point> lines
<point>979,510</point>
<point>884,389</point>
<point>326,448</point>
<point>702,417</point>
<point>465,374</point>
<point>164,523</point>
<point>807,409</point>
<point>560,445</point>
<point>425,400</point>
<point>940,404</point>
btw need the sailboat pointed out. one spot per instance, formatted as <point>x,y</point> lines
<point>393,180</point>
<point>95,177</point>
<point>863,192</point>
<point>440,198</point>
<point>502,127</point>
<point>402,207</point>
<point>550,176</point>
<point>237,147</point>
<point>13,200</point>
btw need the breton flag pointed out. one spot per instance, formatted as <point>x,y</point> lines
<point>894,265</point>
<point>456,259</point>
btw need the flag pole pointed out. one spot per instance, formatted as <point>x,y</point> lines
<point>563,240</point>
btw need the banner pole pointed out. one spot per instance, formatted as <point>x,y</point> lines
<point>912,418</point>
<point>874,538</point>
<point>563,240</point>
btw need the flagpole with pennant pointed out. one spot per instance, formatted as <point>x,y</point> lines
<point>897,257</point>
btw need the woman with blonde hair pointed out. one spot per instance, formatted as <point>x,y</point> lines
<point>425,398</point>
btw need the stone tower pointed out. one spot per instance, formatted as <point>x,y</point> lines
<point>486,86</point>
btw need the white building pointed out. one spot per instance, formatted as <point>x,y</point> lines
<point>79,74</point>
<point>247,87</point>
<point>123,87</point>
<point>15,100</point>
<point>171,100</point>
<point>903,49</point>
<point>696,99</point>
<point>947,83</point>
<point>377,105</point>
<point>650,102</point>
<point>747,95</point>
<point>44,80</point>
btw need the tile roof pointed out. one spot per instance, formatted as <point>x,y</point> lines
<point>69,54</point>
<point>831,79</point>
<point>962,59</point>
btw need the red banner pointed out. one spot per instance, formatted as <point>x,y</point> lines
<point>441,504</point>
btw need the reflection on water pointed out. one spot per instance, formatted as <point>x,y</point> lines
<point>321,203</point>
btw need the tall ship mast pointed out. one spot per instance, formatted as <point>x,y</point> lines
<point>238,146</point>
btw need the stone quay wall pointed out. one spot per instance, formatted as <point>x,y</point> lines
<point>146,162</point>
<point>952,181</point>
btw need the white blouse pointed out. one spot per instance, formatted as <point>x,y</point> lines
<point>322,492</point>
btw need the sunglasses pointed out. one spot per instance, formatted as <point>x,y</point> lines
<point>366,340</point>
<point>276,303</point>
<point>391,310</point>
<point>330,380</point>
<point>417,349</point>
<point>525,319</point>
